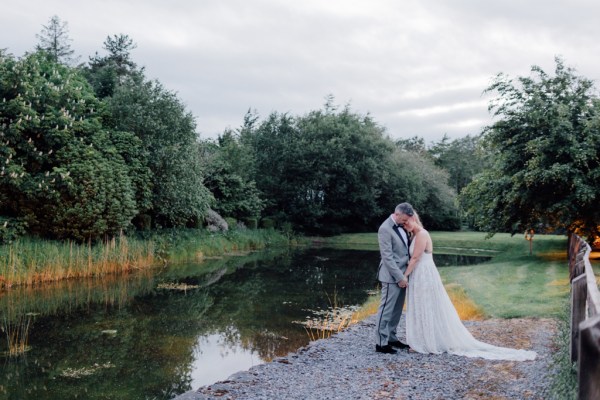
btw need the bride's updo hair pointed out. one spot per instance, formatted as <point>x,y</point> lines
<point>417,219</point>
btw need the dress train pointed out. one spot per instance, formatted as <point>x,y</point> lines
<point>433,325</point>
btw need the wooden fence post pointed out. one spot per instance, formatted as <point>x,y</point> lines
<point>588,373</point>
<point>578,314</point>
<point>585,319</point>
<point>576,253</point>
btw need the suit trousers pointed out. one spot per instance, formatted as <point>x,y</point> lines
<point>389,313</point>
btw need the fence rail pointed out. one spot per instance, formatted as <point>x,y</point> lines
<point>585,319</point>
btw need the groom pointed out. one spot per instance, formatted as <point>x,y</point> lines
<point>393,246</point>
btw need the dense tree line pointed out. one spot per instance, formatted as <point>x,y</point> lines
<point>334,170</point>
<point>88,151</point>
<point>325,172</point>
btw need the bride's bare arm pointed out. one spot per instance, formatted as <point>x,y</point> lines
<point>420,244</point>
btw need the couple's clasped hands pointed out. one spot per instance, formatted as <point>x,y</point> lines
<point>403,283</point>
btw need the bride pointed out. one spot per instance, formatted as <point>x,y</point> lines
<point>432,323</point>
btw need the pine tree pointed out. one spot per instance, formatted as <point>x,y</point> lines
<point>54,39</point>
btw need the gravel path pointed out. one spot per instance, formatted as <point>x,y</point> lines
<point>346,366</point>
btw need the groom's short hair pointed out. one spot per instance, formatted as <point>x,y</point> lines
<point>405,208</point>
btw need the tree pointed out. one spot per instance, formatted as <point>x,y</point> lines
<point>272,142</point>
<point>119,48</point>
<point>62,175</point>
<point>546,143</point>
<point>106,73</point>
<point>337,154</point>
<point>462,158</point>
<point>54,39</point>
<point>415,143</point>
<point>172,195</point>
<point>229,176</point>
<point>168,133</point>
<point>413,177</point>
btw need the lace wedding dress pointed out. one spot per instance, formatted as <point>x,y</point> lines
<point>433,325</point>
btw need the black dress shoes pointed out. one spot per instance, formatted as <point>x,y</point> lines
<point>398,344</point>
<point>385,349</point>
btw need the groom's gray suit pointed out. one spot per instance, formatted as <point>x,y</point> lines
<point>393,246</point>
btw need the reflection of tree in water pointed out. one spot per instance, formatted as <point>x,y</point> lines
<point>267,345</point>
<point>149,351</point>
<point>71,295</point>
<point>256,306</point>
<point>245,315</point>
<point>21,305</point>
<point>165,335</point>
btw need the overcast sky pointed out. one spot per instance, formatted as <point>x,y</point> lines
<point>418,67</point>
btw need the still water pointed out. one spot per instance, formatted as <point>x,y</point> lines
<point>154,335</point>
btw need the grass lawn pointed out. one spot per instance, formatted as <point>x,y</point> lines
<point>513,284</point>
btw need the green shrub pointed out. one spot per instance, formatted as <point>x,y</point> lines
<point>267,223</point>
<point>231,222</point>
<point>142,222</point>
<point>251,223</point>
<point>287,229</point>
<point>11,229</point>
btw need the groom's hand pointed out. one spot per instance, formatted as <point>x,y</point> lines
<point>403,283</point>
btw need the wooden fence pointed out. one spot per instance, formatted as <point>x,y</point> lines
<point>585,319</point>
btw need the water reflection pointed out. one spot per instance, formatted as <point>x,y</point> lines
<point>215,360</point>
<point>156,335</point>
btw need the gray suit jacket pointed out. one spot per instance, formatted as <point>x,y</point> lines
<point>394,253</point>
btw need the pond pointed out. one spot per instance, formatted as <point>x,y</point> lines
<point>154,335</point>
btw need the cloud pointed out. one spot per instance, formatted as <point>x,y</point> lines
<point>418,67</point>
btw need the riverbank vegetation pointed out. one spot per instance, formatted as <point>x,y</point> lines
<point>33,261</point>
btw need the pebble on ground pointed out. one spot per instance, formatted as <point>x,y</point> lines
<point>346,366</point>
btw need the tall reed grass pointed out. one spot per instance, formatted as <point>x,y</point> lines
<point>17,334</point>
<point>31,261</point>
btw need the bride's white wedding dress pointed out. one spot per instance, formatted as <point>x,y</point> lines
<point>433,325</point>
